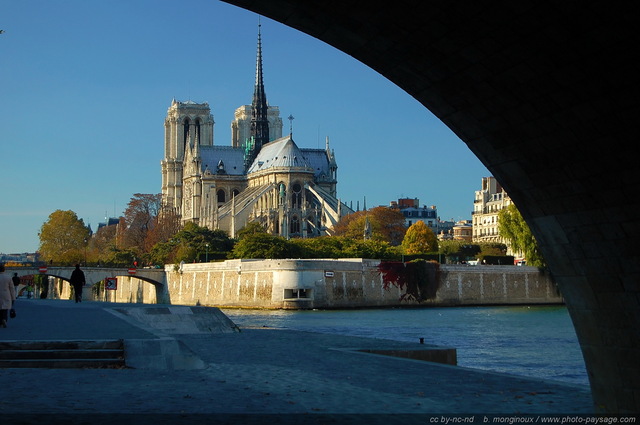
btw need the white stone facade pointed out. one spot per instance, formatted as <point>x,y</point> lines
<point>489,201</point>
<point>291,191</point>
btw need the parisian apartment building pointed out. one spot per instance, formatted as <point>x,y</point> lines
<point>487,204</point>
<point>428,214</point>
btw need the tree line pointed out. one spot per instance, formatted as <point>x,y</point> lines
<point>148,234</point>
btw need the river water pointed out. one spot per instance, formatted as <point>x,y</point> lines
<point>530,341</point>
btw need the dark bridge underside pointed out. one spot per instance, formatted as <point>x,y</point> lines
<point>545,93</point>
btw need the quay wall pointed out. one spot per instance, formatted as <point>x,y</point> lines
<point>343,283</point>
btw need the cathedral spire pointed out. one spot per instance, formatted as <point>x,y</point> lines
<point>259,120</point>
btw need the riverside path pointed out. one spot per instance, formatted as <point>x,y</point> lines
<point>248,375</point>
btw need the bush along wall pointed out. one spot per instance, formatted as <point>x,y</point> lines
<point>419,279</point>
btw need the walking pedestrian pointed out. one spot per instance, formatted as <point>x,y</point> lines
<point>77,281</point>
<point>7,296</point>
<point>16,283</point>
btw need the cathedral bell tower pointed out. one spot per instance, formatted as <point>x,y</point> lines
<point>187,124</point>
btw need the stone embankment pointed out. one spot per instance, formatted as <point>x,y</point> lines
<point>345,283</point>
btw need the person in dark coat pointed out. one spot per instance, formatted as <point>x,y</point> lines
<point>77,281</point>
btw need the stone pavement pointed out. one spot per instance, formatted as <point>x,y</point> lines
<point>289,376</point>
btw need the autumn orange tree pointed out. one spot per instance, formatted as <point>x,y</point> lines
<point>387,224</point>
<point>102,244</point>
<point>419,239</point>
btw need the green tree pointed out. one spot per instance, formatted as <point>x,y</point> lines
<point>192,243</point>
<point>450,247</point>
<point>250,229</point>
<point>162,253</point>
<point>513,228</point>
<point>419,239</point>
<point>491,249</point>
<point>321,247</point>
<point>203,241</point>
<point>374,249</point>
<point>63,238</point>
<point>264,245</point>
<point>344,247</point>
<point>114,257</point>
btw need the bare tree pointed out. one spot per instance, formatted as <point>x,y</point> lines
<point>139,218</point>
<point>165,226</point>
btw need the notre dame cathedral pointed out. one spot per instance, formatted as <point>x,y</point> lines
<point>261,177</point>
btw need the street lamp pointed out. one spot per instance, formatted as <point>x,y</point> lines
<point>85,252</point>
<point>206,257</point>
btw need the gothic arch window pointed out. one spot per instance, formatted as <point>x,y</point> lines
<point>185,132</point>
<point>221,195</point>
<point>234,193</point>
<point>295,225</point>
<point>296,195</point>
<point>282,193</point>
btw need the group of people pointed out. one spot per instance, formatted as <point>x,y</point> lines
<point>9,290</point>
<point>28,288</point>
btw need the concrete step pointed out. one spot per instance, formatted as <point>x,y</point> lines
<point>63,363</point>
<point>62,354</point>
<point>61,345</point>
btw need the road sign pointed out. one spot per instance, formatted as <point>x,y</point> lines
<point>42,269</point>
<point>132,270</point>
<point>111,283</point>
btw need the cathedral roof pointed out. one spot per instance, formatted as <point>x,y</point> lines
<point>319,161</point>
<point>280,153</point>
<point>232,159</point>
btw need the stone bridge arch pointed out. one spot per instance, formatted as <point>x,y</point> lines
<point>94,275</point>
<point>545,95</point>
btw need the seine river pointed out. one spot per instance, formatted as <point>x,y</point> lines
<point>532,341</point>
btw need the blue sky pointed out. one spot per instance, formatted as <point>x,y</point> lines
<point>85,87</point>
